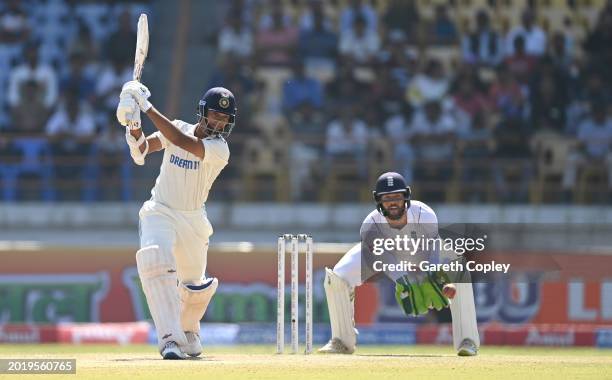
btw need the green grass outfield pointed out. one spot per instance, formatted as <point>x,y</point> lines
<point>370,362</point>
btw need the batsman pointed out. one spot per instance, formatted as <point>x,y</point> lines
<point>174,228</point>
<point>416,294</point>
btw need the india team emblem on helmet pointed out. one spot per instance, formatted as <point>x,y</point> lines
<point>224,102</point>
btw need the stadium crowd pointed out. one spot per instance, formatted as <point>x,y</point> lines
<point>473,100</point>
<point>62,64</point>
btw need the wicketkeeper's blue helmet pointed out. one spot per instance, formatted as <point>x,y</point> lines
<point>388,183</point>
<point>221,100</point>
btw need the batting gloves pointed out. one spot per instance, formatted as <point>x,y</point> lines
<point>139,92</point>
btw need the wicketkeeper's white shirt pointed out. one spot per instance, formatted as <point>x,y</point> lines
<point>184,180</point>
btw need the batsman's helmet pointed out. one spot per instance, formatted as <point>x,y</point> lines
<point>389,183</point>
<point>221,100</point>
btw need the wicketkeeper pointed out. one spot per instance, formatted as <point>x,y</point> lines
<point>396,214</point>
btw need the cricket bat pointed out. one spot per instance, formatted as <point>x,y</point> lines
<point>142,46</point>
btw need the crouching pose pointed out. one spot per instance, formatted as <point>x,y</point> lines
<point>174,228</point>
<point>396,214</point>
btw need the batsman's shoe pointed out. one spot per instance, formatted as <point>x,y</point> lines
<point>467,348</point>
<point>194,346</point>
<point>171,351</point>
<point>335,346</point>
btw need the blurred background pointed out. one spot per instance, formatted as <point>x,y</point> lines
<point>472,101</point>
<point>495,111</point>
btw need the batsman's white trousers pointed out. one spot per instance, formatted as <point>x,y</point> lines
<point>185,234</point>
<point>463,310</point>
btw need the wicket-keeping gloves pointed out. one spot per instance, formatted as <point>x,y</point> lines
<point>417,297</point>
<point>139,92</point>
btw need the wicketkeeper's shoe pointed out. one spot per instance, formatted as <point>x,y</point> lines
<point>171,351</point>
<point>467,348</point>
<point>194,346</point>
<point>335,346</point>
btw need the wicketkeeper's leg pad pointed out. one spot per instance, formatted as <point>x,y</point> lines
<point>463,312</point>
<point>194,302</point>
<point>157,272</point>
<point>340,302</point>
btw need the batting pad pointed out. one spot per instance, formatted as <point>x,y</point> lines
<point>157,273</point>
<point>194,302</point>
<point>340,299</point>
<point>463,313</point>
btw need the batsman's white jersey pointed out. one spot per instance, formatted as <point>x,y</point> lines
<point>184,180</point>
<point>422,220</point>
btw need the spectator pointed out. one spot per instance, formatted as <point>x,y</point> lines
<point>512,168</point>
<point>483,46</point>
<point>520,63</point>
<point>468,97</point>
<point>534,37</point>
<point>99,16</point>
<point>85,46</point>
<point>14,25</point>
<point>549,97</point>
<point>433,133</point>
<point>318,42</point>
<point>590,85</point>
<point>595,137</point>
<point>31,113</point>
<point>442,30</point>
<point>559,51</point>
<point>402,16</point>
<point>507,95</point>
<point>78,79</point>
<point>347,139</point>
<point>597,44</point>
<point>245,9</point>
<point>358,9</point>
<point>275,44</point>
<point>476,147</point>
<point>112,148</point>
<point>235,38</point>
<point>397,130</point>
<point>346,86</point>
<point>277,17</point>
<point>386,92</point>
<point>120,44</point>
<point>306,150</point>
<point>301,89</point>
<point>71,131</point>
<point>430,85</point>
<point>398,59</point>
<point>313,15</point>
<point>32,70</point>
<point>358,43</point>
<point>594,86</point>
